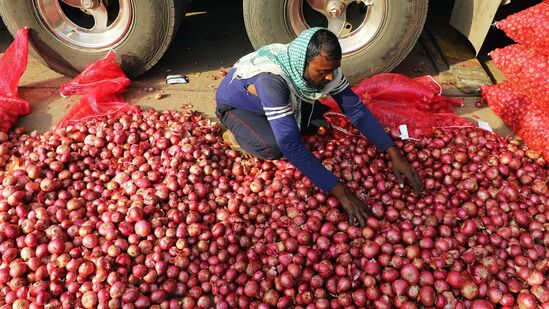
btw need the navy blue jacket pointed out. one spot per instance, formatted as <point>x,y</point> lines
<point>273,101</point>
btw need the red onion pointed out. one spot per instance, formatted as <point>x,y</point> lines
<point>427,295</point>
<point>455,279</point>
<point>370,249</point>
<point>469,290</point>
<point>410,273</point>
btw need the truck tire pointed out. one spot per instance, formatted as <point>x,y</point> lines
<point>377,34</point>
<point>66,36</point>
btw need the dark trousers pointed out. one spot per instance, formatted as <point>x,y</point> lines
<point>253,132</point>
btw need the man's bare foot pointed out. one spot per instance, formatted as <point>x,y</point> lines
<point>229,138</point>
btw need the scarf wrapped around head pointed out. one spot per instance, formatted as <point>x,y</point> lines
<point>288,61</point>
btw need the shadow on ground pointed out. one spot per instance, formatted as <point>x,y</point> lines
<point>211,36</point>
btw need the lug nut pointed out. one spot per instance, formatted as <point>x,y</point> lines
<point>89,4</point>
<point>335,7</point>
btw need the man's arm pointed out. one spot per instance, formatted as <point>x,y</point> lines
<point>274,96</point>
<point>365,121</point>
<point>362,118</point>
<point>275,99</point>
<point>401,167</point>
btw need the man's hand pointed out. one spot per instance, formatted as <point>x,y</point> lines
<point>402,167</point>
<point>351,204</point>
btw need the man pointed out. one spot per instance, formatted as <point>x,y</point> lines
<point>269,96</point>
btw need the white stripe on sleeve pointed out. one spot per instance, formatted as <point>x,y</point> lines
<point>280,116</point>
<point>276,108</point>
<point>278,112</point>
<point>340,87</point>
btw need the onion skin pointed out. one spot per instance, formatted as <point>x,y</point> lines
<point>427,296</point>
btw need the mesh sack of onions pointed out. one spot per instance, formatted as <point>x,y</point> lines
<point>527,70</point>
<point>521,114</point>
<point>153,210</point>
<point>529,27</point>
<point>396,99</point>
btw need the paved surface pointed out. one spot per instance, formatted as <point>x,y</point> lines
<point>213,36</point>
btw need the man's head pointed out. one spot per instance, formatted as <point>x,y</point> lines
<point>322,59</point>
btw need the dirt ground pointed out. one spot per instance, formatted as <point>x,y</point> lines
<point>212,36</point>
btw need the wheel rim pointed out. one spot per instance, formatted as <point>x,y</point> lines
<point>357,25</point>
<point>90,24</point>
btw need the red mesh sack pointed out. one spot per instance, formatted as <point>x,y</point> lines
<point>396,99</point>
<point>528,120</point>
<point>101,84</point>
<point>12,65</point>
<point>103,77</point>
<point>423,93</point>
<point>527,70</point>
<point>529,27</point>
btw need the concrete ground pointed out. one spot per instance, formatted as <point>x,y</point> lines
<point>212,36</point>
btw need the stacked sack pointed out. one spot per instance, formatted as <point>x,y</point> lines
<point>522,101</point>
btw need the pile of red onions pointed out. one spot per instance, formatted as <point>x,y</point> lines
<point>155,211</point>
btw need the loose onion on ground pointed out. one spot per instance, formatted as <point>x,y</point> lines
<point>154,210</point>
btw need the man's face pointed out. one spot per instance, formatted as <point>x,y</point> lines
<point>320,71</point>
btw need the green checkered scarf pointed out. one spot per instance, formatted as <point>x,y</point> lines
<point>287,61</point>
<point>292,62</point>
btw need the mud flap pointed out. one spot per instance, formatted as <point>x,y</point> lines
<point>473,19</point>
